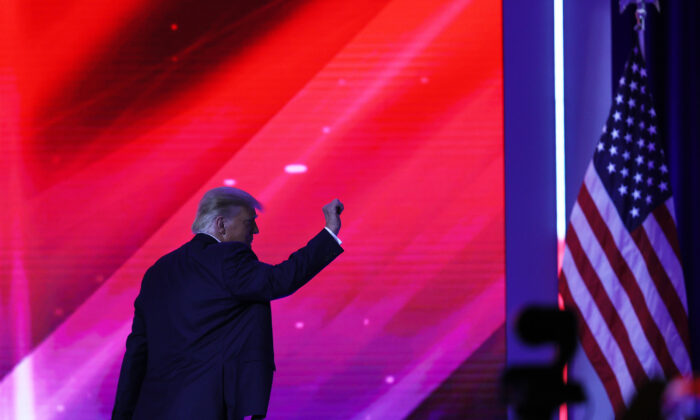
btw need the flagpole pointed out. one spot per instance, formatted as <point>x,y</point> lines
<point>641,15</point>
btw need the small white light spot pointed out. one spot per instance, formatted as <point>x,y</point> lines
<point>389,379</point>
<point>365,322</point>
<point>326,130</point>
<point>229,182</point>
<point>299,325</point>
<point>424,80</point>
<point>60,408</point>
<point>295,168</point>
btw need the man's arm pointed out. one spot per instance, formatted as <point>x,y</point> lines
<point>133,367</point>
<point>250,279</point>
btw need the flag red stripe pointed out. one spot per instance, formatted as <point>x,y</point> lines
<point>592,350</point>
<point>628,282</point>
<point>606,308</point>
<point>663,284</point>
<point>665,220</point>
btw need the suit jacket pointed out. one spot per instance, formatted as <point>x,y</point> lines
<point>201,340</point>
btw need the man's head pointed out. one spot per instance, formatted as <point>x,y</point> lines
<point>228,214</point>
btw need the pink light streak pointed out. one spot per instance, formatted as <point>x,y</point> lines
<point>23,380</point>
<point>19,399</point>
<point>420,378</point>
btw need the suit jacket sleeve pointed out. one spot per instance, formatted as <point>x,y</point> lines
<point>133,367</point>
<point>249,279</point>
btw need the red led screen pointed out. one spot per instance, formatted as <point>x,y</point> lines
<point>116,118</point>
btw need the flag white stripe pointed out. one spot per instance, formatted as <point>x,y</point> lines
<point>673,269</point>
<point>667,256</point>
<point>616,293</point>
<point>599,329</point>
<point>637,265</point>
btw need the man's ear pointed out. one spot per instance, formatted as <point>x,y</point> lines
<point>220,225</point>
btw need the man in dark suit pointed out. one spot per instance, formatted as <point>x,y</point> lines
<point>201,340</point>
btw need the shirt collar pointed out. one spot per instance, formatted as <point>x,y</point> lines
<point>211,236</point>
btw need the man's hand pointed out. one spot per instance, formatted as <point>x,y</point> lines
<point>332,211</point>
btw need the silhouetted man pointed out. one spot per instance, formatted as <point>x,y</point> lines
<point>201,341</point>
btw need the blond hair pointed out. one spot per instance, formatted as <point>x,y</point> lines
<point>221,201</point>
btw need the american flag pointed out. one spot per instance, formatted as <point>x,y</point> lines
<point>621,272</point>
